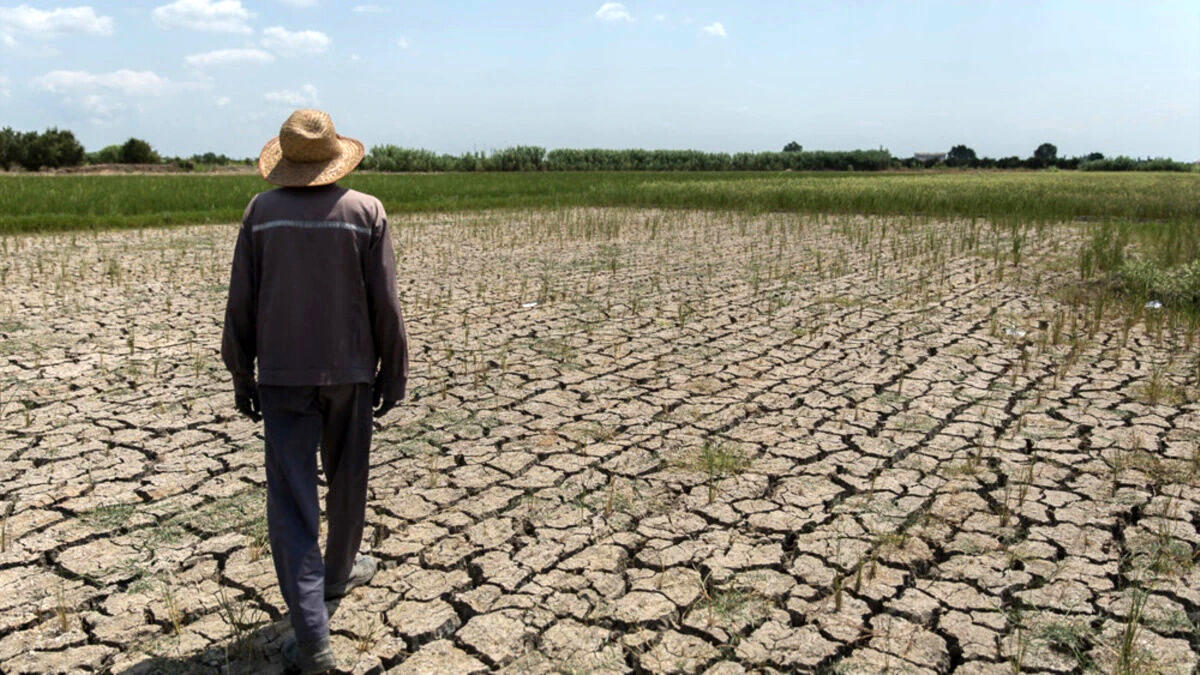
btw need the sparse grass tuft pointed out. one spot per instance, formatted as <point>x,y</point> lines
<point>109,517</point>
<point>242,618</point>
<point>1073,638</point>
<point>717,461</point>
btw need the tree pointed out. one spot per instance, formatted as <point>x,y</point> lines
<point>137,151</point>
<point>793,147</point>
<point>51,149</point>
<point>1093,156</point>
<point>1045,154</point>
<point>109,154</point>
<point>64,147</point>
<point>961,155</point>
<point>9,148</point>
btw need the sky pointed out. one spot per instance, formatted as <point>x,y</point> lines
<point>1001,77</point>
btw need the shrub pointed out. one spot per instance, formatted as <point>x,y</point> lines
<point>109,154</point>
<point>137,151</point>
<point>393,158</point>
<point>519,158</point>
<point>1174,286</point>
<point>1124,163</point>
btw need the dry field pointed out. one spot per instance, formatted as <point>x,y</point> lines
<point>717,443</point>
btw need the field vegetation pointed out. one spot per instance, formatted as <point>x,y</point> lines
<point>1142,230</point>
<point>41,203</point>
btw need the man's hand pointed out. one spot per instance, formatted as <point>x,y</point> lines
<point>381,406</point>
<point>248,405</point>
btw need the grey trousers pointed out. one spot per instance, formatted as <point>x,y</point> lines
<point>298,420</point>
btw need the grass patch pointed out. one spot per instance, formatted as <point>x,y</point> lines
<point>108,517</point>
<point>1156,261</point>
<point>244,512</point>
<point>1072,638</point>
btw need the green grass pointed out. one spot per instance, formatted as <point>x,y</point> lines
<point>30,203</point>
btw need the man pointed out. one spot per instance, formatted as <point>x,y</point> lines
<point>312,298</point>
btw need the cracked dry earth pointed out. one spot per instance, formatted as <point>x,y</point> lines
<point>716,443</point>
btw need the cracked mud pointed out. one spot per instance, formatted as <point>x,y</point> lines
<point>636,442</point>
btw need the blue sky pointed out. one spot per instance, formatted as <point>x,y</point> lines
<point>1001,77</point>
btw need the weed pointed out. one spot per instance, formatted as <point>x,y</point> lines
<point>108,517</point>
<point>1130,659</point>
<point>174,615</point>
<point>8,511</point>
<point>717,461</point>
<point>366,639</point>
<point>1074,638</point>
<point>242,618</point>
<point>1018,647</point>
<point>1160,390</point>
<point>62,610</point>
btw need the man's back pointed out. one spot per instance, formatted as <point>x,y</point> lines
<point>312,294</point>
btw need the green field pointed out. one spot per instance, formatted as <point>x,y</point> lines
<point>41,203</point>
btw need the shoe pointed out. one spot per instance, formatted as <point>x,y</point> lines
<point>364,570</point>
<point>308,657</point>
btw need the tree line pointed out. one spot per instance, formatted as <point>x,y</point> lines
<point>56,148</point>
<point>1046,156</point>
<point>534,158</point>
<point>793,157</point>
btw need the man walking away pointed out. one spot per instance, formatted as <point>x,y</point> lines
<point>312,298</point>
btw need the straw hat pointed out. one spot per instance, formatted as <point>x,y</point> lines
<point>308,151</point>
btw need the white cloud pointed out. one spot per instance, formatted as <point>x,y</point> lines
<point>660,17</point>
<point>613,11</point>
<point>225,16</point>
<point>223,101</point>
<point>369,9</point>
<point>100,106</point>
<point>304,96</point>
<point>127,82</point>
<point>24,20</point>
<point>227,57</point>
<point>100,94</point>
<point>402,43</point>
<point>715,28</point>
<point>289,43</point>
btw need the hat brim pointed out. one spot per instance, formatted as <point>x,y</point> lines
<point>278,170</point>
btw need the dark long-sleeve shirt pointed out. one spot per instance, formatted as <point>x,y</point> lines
<point>312,293</point>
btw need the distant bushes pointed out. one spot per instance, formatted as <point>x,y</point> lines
<point>1123,163</point>
<point>599,159</point>
<point>58,148</point>
<point>1045,156</point>
<point>394,158</point>
<point>208,160</point>
<point>31,150</point>
<point>534,158</point>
